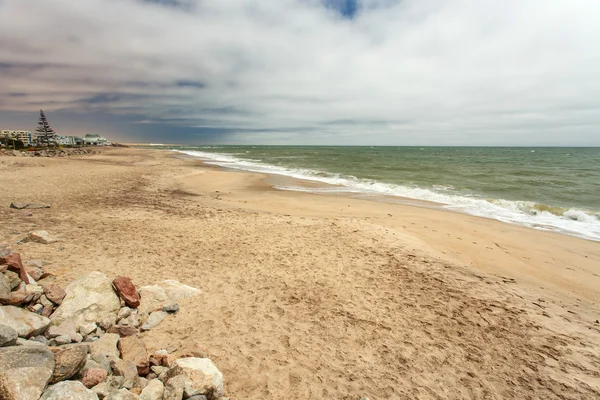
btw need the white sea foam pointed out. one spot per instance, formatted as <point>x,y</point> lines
<point>573,221</point>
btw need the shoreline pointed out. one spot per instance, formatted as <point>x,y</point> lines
<point>324,296</point>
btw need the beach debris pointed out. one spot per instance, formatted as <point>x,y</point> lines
<point>127,291</point>
<point>39,237</point>
<point>22,206</point>
<point>90,298</point>
<point>24,371</point>
<point>8,336</point>
<point>69,390</point>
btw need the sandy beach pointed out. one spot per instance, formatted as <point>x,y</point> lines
<point>310,296</point>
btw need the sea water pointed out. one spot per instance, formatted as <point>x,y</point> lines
<point>545,188</point>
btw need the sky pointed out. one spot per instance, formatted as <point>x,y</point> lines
<point>322,72</point>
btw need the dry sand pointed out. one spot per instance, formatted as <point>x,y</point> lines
<point>312,296</point>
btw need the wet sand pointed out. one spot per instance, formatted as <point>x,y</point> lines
<point>310,296</point>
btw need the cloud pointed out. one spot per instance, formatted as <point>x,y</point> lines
<point>310,71</point>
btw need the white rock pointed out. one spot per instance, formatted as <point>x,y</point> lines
<point>24,322</point>
<point>67,328</point>
<point>106,345</point>
<point>88,328</point>
<point>167,292</point>
<point>68,390</point>
<point>90,298</point>
<point>121,394</point>
<point>154,390</point>
<point>34,288</point>
<point>124,312</point>
<point>202,375</point>
<point>153,320</point>
<point>40,237</point>
<point>4,285</point>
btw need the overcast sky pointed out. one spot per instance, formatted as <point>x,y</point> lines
<point>374,72</point>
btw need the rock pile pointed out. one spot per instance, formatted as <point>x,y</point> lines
<point>58,152</point>
<point>83,341</point>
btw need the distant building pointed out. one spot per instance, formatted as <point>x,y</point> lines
<point>23,136</point>
<point>96,140</point>
<point>65,140</point>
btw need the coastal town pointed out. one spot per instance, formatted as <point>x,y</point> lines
<point>45,136</point>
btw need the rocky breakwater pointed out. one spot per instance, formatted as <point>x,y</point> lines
<point>50,152</point>
<point>83,341</point>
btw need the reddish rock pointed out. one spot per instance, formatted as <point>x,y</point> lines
<point>93,377</point>
<point>14,263</point>
<point>133,349</point>
<point>127,291</point>
<point>17,298</point>
<point>54,293</point>
<point>47,311</point>
<point>123,330</point>
<point>35,272</point>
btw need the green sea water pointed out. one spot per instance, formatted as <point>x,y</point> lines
<point>547,188</point>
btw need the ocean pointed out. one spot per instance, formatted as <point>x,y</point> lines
<point>555,189</point>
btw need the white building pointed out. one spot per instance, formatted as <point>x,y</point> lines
<point>65,140</point>
<point>96,140</point>
<point>23,136</point>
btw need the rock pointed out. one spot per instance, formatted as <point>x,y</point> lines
<point>93,377</point>
<point>133,319</point>
<point>121,394</point>
<point>34,288</point>
<point>106,345</point>
<point>154,390</point>
<point>4,285</point>
<point>38,308</point>
<point>13,279</point>
<point>165,293</point>
<point>140,383</point>
<point>124,331</point>
<point>47,311</point>
<point>175,387</point>
<point>25,342</point>
<point>63,339</point>
<point>133,349</point>
<point>97,361</point>
<point>108,321</point>
<point>24,371</point>
<point>158,369</point>
<point>67,328</point>
<point>157,357</point>
<point>14,263</point>
<point>69,361</point>
<point>127,370</point>
<point>24,322</point>
<point>40,237</point>
<point>8,336</point>
<point>111,385</point>
<point>54,293</point>
<point>17,298</point>
<point>88,328</point>
<point>69,390</point>
<point>202,375</point>
<point>22,206</point>
<point>127,291</point>
<point>171,308</point>
<point>153,320</point>
<point>35,272</point>
<point>36,263</point>
<point>88,299</point>
<point>41,339</point>
<point>199,397</point>
<point>124,312</point>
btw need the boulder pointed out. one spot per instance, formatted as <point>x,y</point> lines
<point>121,394</point>
<point>93,377</point>
<point>17,298</point>
<point>60,340</point>
<point>123,330</point>
<point>127,370</point>
<point>90,298</point>
<point>111,385</point>
<point>153,320</point>
<point>127,291</point>
<point>24,371</point>
<point>98,361</point>
<point>124,312</point>
<point>54,293</point>
<point>4,285</point>
<point>108,321</point>
<point>67,328</point>
<point>8,336</point>
<point>69,360</point>
<point>154,390</point>
<point>106,345</point>
<point>69,390</point>
<point>24,322</point>
<point>40,237</point>
<point>165,293</point>
<point>202,375</point>
<point>88,328</point>
<point>133,349</point>
<point>14,263</point>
